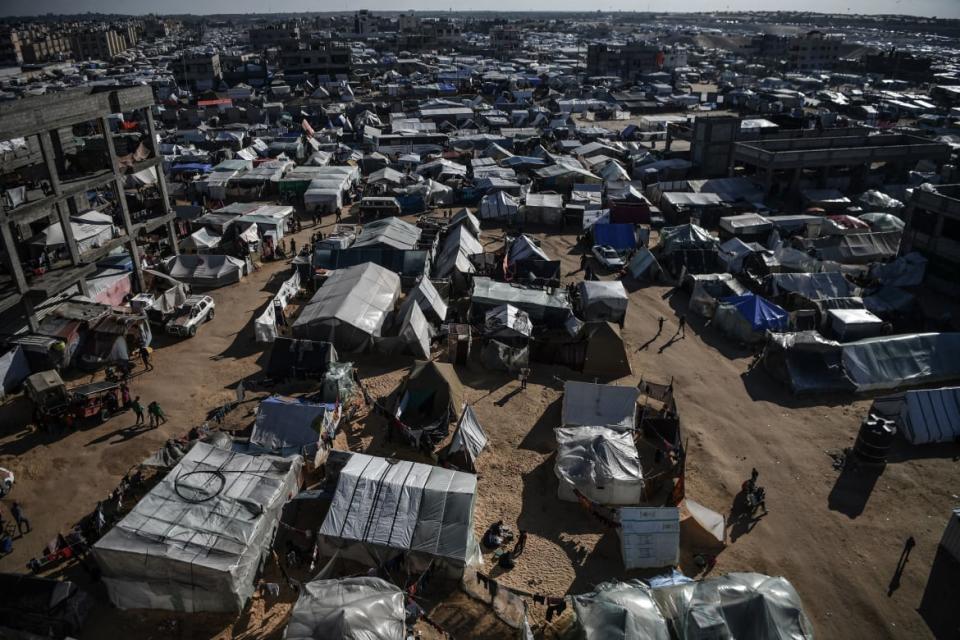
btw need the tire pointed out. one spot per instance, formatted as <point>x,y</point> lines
<point>193,331</point>
<point>210,315</point>
<point>104,415</point>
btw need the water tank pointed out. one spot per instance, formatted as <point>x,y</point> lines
<point>874,440</point>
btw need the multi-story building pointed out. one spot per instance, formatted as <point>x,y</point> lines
<point>317,57</point>
<point>629,61</point>
<point>43,122</point>
<point>506,41</point>
<point>933,228</point>
<point>284,34</point>
<point>198,70</point>
<point>45,47</point>
<point>100,44</point>
<point>364,23</point>
<point>10,53</point>
<point>807,52</point>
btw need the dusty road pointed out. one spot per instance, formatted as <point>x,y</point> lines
<point>837,539</point>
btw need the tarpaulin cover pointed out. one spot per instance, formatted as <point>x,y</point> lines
<point>599,405</point>
<point>507,321</point>
<point>290,357</point>
<point>196,541</point>
<point>430,396</point>
<point>737,605</point>
<point>540,304</point>
<point>265,325</point>
<point>601,463</point>
<point>762,314</point>
<point>622,237</point>
<point>427,296</point>
<point>931,415</point>
<point>903,360</point>
<point>620,611</point>
<point>685,237</point>
<point>359,608</point>
<point>469,439</point>
<point>207,270</point>
<point>382,506</point>
<point>351,306</point>
<point>524,247</point>
<point>290,424</point>
<point>14,369</point>
<point>603,300</point>
<point>644,266</point>
<point>498,356</point>
<point>905,271</point>
<point>813,286</point>
<point>498,205</point>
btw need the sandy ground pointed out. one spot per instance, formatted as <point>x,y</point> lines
<point>836,538</point>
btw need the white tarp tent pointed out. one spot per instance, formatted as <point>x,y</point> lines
<point>384,507</point>
<point>265,326</point>
<point>469,439</point>
<point>603,300</point>
<point>350,307</point>
<point>208,270</point>
<point>196,541</point>
<point>600,463</point>
<point>293,425</point>
<point>498,205</point>
<point>358,608</point>
<point>599,405</point>
<point>931,415</point>
<point>91,229</point>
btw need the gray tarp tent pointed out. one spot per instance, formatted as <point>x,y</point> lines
<point>586,404</point>
<point>359,608</point>
<point>196,541</point>
<point>428,399</point>
<point>601,463</point>
<point>291,425</point>
<point>606,354</point>
<point>507,322</point>
<point>643,266</point>
<point>207,270</point>
<point>603,300</point>
<point>350,307</point>
<point>382,508</point>
<point>469,439</point>
<point>931,415</point>
<point>550,305</point>
<point>620,611</point>
<point>813,286</point>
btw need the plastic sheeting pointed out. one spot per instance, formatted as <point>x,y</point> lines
<point>196,541</point>
<point>427,296</point>
<point>603,300</point>
<point>599,405</point>
<point>684,238</point>
<point>469,439</point>
<point>507,321</point>
<point>383,506</point>
<point>498,205</point>
<point>208,270</point>
<point>14,369</point>
<point>507,605</point>
<point>292,425</point>
<point>601,463</point>
<point>620,611</point>
<point>931,415</point>
<point>905,271</point>
<point>737,605</point>
<point>523,247</point>
<point>762,314</point>
<point>813,286</point>
<point>643,266</point>
<point>351,306</point>
<point>359,608</point>
<point>539,304</point>
<point>498,356</point>
<point>265,326</point>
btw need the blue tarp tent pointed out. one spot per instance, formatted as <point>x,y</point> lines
<point>621,237</point>
<point>762,314</point>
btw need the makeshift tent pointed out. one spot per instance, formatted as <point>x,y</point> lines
<point>606,354</point>
<point>265,326</point>
<point>853,324</point>
<point>415,331</point>
<point>507,322</point>
<point>428,399</point>
<point>643,266</point>
<point>603,300</point>
<point>542,305</point>
<point>619,611</point>
<point>468,441</point>
<point>649,536</point>
<point>385,507</point>
<point>733,252</point>
<point>684,238</point>
<point>206,270</point>
<point>467,219</point>
<point>429,300</point>
<point>601,463</point>
<point>931,415</point>
<point>299,358</point>
<point>709,288</point>
<point>293,425</point>
<point>32,607</point>
<point>906,271</point>
<point>737,605</point>
<point>812,286</point>
<point>358,608</point>
<point>196,541</point>
<point>350,308</point>
<point>748,317</point>
<point>883,221</point>
<point>622,237</point>
<point>388,233</point>
<point>91,229</point>
<point>14,369</point>
<point>498,205</point>
<point>200,241</point>
<point>523,247</point>
<point>586,404</point>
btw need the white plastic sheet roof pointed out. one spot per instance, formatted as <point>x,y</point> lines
<point>360,296</point>
<point>469,436</point>
<point>427,296</point>
<point>403,505</point>
<point>599,405</point>
<point>195,541</point>
<point>601,462</point>
<point>392,232</point>
<point>359,608</point>
<point>283,423</point>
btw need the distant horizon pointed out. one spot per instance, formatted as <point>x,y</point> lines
<point>942,9</point>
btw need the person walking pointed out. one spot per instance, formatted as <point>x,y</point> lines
<point>16,510</point>
<point>682,327</point>
<point>339,216</point>
<point>660,325</point>
<point>524,375</point>
<point>145,357</point>
<point>157,416</point>
<point>138,410</point>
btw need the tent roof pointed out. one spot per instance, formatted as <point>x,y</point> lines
<point>762,314</point>
<point>403,505</point>
<point>288,422</point>
<point>597,456</point>
<point>586,404</point>
<point>360,296</point>
<point>349,609</point>
<point>469,436</point>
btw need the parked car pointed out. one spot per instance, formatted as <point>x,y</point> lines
<point>194,311</point>
<point>608,257</point>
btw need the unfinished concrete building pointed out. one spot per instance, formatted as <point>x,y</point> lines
<point>64,177</point>
<point>831,155</point>
<point>933,229</point>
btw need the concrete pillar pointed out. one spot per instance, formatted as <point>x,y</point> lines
<point>795,180</point>
<point>768,180</point>
<point>161,181</point>
<point>122,201</point>
<point>63,213</point>
<point>16,270</point>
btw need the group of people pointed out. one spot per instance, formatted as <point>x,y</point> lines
<point>20,520</point>
<point>756,495</point>
<point>497,536</point>
<point>157,417</point>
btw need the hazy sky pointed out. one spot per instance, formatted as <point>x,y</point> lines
<point>939,8</point>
